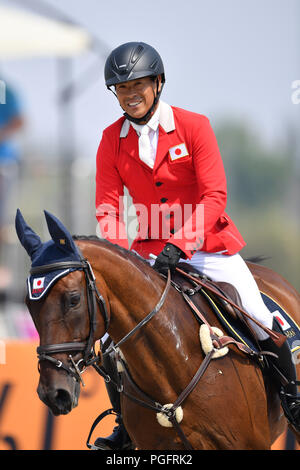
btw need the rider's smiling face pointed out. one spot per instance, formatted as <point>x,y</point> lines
<point>136,96</point>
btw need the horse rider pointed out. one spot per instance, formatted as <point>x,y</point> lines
<point>168,159</point>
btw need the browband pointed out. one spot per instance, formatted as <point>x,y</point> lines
<point>55,266</point>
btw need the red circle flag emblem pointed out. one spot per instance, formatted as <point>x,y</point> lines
<point>179,151</point>
<point>38,283</point>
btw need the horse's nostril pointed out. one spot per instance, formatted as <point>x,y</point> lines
<point>63,399</point>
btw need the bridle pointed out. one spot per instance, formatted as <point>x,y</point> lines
<point>94,298</point>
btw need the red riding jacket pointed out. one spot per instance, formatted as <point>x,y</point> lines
<point>181,200</point>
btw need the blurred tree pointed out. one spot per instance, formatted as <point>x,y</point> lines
<point>257,176</point>
<point>262,187</point>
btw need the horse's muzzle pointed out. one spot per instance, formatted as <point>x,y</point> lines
<point>60,400</point>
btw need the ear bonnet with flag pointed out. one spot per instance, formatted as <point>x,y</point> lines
<point>61,248</point>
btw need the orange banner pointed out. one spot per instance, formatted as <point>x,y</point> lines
<point>26,424</point>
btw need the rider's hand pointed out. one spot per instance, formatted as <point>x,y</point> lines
<point>168,259</point>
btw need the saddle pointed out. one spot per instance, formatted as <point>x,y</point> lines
<point>231,318</point>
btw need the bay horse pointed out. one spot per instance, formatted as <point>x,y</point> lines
<point>97,287</point>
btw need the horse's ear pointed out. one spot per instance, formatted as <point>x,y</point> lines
<point>59,234</point>
<point>28,238</point>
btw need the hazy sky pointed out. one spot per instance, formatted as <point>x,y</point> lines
<point>233,58</point>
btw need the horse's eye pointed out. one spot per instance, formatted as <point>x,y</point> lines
<point>74,300</point>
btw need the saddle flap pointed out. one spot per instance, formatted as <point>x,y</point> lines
<point>230,318</point>
<point>225,289</point>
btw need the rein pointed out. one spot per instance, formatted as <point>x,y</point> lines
<point>144,321</point>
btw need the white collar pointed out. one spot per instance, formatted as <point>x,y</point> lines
<point>165,118</point>
<point>153,123</point>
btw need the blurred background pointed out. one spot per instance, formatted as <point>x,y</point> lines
<point>236,62</point>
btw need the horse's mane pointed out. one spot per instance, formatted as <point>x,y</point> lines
<point>87,237</point>
<point>119,249</point>
<point>259,259</point>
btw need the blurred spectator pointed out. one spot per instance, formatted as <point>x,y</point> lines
<point>11,122</point>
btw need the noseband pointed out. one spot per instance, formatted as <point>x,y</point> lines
<point>87,347</point>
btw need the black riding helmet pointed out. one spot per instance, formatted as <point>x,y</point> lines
<point>131,61</point>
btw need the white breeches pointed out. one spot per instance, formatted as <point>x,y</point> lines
<point>233,269</point>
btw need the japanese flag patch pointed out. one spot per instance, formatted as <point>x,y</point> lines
<point>38,285</point>
<point>178,151</point>
<point>281,320</point>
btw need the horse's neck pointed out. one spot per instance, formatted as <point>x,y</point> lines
<point>133,287</point>
<point>133,291</point>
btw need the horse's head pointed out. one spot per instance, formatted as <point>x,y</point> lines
<point>67,309</point>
